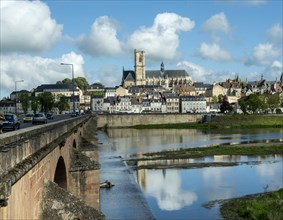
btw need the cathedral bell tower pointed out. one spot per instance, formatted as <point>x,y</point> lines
<point>140,67</point>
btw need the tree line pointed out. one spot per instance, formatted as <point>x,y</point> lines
<point>254,104</point>
<point>46,100</point>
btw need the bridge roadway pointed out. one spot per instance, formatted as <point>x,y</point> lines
<point>63,152</point>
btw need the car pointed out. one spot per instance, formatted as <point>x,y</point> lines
<point>74,114</point>
<point>39,118</point>
<point>49,115</point>
<point>11,122</point>
<point>28,118</point>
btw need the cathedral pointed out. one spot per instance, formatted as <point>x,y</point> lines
<point>165,78</point>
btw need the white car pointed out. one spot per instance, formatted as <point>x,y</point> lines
<point>39,118</point>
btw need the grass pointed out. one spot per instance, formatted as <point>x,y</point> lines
<point>248,121</point>
<point>263,206</point>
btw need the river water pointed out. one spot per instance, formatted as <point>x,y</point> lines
<point>184,193</point>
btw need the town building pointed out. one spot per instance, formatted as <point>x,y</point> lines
<point>193,104</point>
<point>162,77</point>
<point>66,90</point>
<point>97,103</point>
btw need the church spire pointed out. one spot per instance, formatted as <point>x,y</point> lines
<point>162,67</point>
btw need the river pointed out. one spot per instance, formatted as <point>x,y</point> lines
<point>185,193</point>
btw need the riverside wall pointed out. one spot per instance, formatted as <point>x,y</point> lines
<point>128,120</point>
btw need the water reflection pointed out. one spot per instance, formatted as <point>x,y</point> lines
<point>186,190</point>
<point>215,160</point>
<point>165,187</point>
<point>180,193</point>
<point>131,141</point>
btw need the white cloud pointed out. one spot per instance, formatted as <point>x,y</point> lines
<point>35,70</point>
<point>255,2</point>
<point>214,179</point>
<point>274,70</point>
<point>166,189</point>
<point>213,51</point>
<point>265,54</point>
<point>108,75</point>
<point>161,40</point>
<point>197,72</point>
<point>271,72</point>
<point>201,74</point>
<point>102,39</point>
<point>276,34</point>
<point>27,26</point>
<point>217,23</point>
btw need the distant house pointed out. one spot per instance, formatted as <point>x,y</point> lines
<point>109,104</point>
<point>215,91</point>
<point>110,92</point>
<point>136,105</point>
<point>66,90</point>
<point>172,102</point>
<point>193,104</point>
<point>121,91</point>
<point>58,89</point>
<point>124,104</point>
<point>7,106</point>
<point>201,88</point>
<point>97,103</point>
<point>156,105</point>
<point>95,87</point>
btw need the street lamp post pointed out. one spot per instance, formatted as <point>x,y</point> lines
<point>70,64</point>
<point>16,94</point>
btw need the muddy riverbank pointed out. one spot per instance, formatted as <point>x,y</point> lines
<point>181,158</point>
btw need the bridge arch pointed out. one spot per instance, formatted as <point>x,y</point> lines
<point>74,144</point>
<point>60,176</point>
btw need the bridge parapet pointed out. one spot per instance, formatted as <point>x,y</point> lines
<point>21,150</point>
<point>17,146</point>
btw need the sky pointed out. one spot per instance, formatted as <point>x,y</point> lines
<point>213,40</point>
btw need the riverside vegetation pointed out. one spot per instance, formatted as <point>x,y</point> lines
<point>260,206</point>
<point>226,121</point>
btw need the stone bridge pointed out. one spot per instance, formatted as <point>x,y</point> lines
<point>33,159</point>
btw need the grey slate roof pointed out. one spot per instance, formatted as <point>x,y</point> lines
<point>192,98</point>
<point>201,85</point>
<point>55,87</point>
<point>111,100</point>
<point>128,75</point>
<point>95,86</point>
<point>166,73</point>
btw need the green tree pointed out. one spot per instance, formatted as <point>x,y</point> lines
<point>243,102</point>
<point>63,103</point>
<point>81,82</point>
<point>97,93</point>
<point>225,106</point>
<point>214,99</point>
<point>220,98</point>
<point>65,81</point>
<point>254,103</point>
<point>24,99</point>
<point>47,101</point>
<point>273,101</point>
<point>34,104</point>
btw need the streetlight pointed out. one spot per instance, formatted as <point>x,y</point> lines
<point>16,94</point>
<point>70,64</point>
